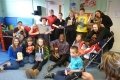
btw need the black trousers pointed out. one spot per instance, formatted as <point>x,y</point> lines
<point>58,32</point>
<point>38,64</point>
<point>83,34</point>
<point>70,36</point>
<point>52,35</point>
<point>45,37</point>
<point>59,61</point>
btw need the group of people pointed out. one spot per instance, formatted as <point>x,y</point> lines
<point>63,40</point>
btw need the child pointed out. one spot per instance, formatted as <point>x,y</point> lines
<point>22,39</point>
<point>42,54</point>
<point>73,71</point>
<point>14,63</point>
<point>78,40</point>
<point>28,51</point>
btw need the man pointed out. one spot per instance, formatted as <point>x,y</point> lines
<point>82,21</point>
<point>51,19</point>
<point>63,52</point>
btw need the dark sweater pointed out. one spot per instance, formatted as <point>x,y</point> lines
<point>106,21</point>
<point>103,33</point>
<point>73,26</point>
<point>24,50</point>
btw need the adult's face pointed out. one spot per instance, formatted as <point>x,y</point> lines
<point>59,16</point>
<point>97,14</point>
<point>95,27</point>
<point>71,14</point>
<point>51,13</point>
<point>62,38</point>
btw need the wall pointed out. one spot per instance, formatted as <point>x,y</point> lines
<point>113,5</point>
<point>1,13</point>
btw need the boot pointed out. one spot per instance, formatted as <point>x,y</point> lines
<point>27,73</point>
<point>33,73</point>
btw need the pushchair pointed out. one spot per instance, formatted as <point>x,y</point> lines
<point>101,51</point>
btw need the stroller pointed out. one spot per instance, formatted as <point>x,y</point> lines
<point>93,56</point>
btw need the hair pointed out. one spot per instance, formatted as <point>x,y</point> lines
<point>19,22</point>
<point>98,19</point>
<point>101,13</point>
<point>72,12</point>
<point>74,48</point>
<point>60,13</point>
<point>43,18</point>
<point>29,39</point>
<point>82,9</point>
<point>52,10</point>
<point>37,45</point>
<point>21,33</point>
<point>13,45</point>
<point>111,64</point>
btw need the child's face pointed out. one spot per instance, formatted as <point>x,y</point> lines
<point>78,38</point>
<point>19,24</point>
<point>73,53</point>
<point>21,37</point>
<point>40,42</point>
<point>16,42</point>
<point>29,43</point>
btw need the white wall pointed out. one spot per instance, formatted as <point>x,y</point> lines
<point>1,13</point>
<point>115,4</point>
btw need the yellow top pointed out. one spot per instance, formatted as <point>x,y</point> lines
<point>82,20</point>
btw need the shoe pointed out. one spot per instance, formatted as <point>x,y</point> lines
<point>50,67</point>
<point>27,73</point>
<point>33,73</point>
<point>49,75</point>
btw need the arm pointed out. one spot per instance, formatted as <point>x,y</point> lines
<point>52,42</point>
<point>66,48</point>
<point>10,53</point>
<point>99,37</point>
<point>88,37</point>
<point>109,21</point>
<point>31,32</point>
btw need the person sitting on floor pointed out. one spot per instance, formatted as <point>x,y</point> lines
<point>61,52</point>
<point>28,51</point>
<point>19,29</point>
<point>42,54</point>
<point>22,39</point>
<point>78,40</point>
<point>74,69</point>
<point>13,51</point>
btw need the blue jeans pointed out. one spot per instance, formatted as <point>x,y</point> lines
<point>60,75</point>
<point>14,65</point>
<point>29,59</point>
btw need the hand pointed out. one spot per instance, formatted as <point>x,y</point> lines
<point>18,60</point>
<point>46,32</point>
<point>68,24</point>
<point>87,43</point>
<point>70,72</point>
<point>102,25</point>
<point>41,59</point>
<point>57,27</point>
<point>30,52</point>
<point>87,76</point>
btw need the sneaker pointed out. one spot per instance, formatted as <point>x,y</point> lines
<point>27,73</point>
<point>50,67</point>
<point>49,75</point>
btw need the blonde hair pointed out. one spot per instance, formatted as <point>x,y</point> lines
<point>74,48</point>
<point>29,39</point>
<point>111,65</point>
<point>71,11</point>
<point>13,45</point>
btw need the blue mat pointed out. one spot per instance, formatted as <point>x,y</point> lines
<point>3,56</point>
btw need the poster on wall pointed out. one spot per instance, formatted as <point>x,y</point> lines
<point>117,13</point>
<point>88,4</point>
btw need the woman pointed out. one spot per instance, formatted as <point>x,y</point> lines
<point>70,28</point>
<point>59,24</point>
<point>42,54</point>
<point>105,20</point>
<point>14,62</point>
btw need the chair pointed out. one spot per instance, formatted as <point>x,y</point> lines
<point>100,52</point>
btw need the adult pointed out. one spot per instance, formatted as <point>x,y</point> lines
<point>51,19</point>
<point>105,20</point>
<point>70,28</point>
<point>60,25</point>
<point>62,54</point>
<point>82,21</point>
<point>44,30</point>
<point>101,35</point>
